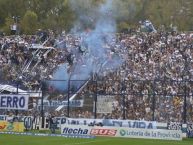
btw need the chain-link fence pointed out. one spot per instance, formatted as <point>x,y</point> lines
<point>158,100</point>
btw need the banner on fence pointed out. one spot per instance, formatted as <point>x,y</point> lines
<point>105,103</point>
<point>12,101</point>
<point>12,127</point>
<point>28,122</point>
<point>55,103</point>
<point>110,122</point>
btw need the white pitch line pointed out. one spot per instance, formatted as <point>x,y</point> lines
<point>87,142</point>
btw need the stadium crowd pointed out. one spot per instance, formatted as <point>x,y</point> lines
<point>155,68</point>
<point>152,80</point>
<point>158,70</point>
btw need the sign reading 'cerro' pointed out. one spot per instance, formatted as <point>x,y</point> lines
<point>12,101</point>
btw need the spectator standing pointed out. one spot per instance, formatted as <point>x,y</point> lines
<point>52,123</point>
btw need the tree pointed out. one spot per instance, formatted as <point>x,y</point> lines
<point>29,22</point>
<point>166,12</point>
<point>66,14</point>
<point>59,18</point>
<point>7,27</point>
<point>123,26</point>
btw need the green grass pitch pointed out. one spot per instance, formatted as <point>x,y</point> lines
<point>6,139</point>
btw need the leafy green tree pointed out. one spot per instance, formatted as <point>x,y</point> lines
<point>7,27</point>
<point>29,22</point>
<point>60,18</point>
<point>175,12</point>
<point>65,14</point>
<point>122,26</point>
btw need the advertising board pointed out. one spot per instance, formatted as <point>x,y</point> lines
<point>12,127</point>
<point>162,134</point>
<point>75,130</point>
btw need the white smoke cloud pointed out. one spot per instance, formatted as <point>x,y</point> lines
<point>96,40</point>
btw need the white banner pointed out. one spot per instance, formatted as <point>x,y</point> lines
<point>14,101</point>
<point>111,122</point>
<point>106,122</point>
<point>55,103</point>
<point>105,104</point>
